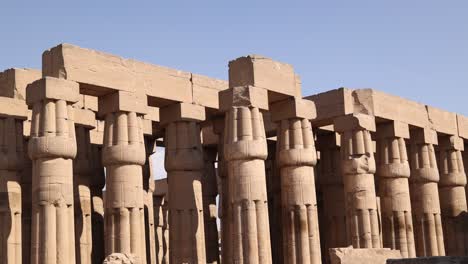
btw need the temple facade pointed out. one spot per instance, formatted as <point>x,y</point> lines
<point>257,172</point>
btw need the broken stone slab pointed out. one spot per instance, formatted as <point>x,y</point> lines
<point>430,260</point>
<point>352,255</point>
<point>119,258</point>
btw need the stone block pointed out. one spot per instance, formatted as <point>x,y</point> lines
<point>452,142</point>
<point>209,138</point>
<point>354,122</point>
<point>52,88</point>
<point>152,114</point>
<point>122,101</point>
<point>96,135</point>
<point>13,82</point>
<point>292,108</point>
<point>331,104</point>
<point>182,112</point>
<point>442,121</point>
<point>205,90</point>
<point>86,118</point>
<point>351,255</point>
<point>393,129</point>
<point>430,260</point>
<point>160,187</point>
<point>462,124</point>
<point>262,72</point>
<point>10,107</point>
<point>424,136</point>
<point>243,96</point>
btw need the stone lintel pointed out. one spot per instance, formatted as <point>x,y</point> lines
<point>160,187</point>
<point>13,82</point>
<point>16,108</point>
<point>152,114</point>
<point>182,112</point>
<point>96,135</point>
<point>209,137</point>
<point>354,122</point>
<point>451,142</point>
<point>462,124</point>
<point>205,90</point>
<point>87,102</point>
<point>393,129</point>
<point>250,96</point>
<point>52,88</point>
<point>423,136</point>
<point>262,72</point>
<point>442,121</point>
<point>292,108</point>
<point>122,101</point>
<point>85,118</point>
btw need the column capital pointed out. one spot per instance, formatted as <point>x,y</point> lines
<point>293,108</point>
<point>354,122</point>
<point>121,101</point>
<point>249,96</point>
<point>182,112</point>
<point>52,88</point>
<point>451,142</point>
<point>393,129</point>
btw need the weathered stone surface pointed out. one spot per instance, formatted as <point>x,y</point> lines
<point>430,260</point>
<point>351,255</point>
<point>13,82</point>
<point>119,258</point>
<point>243,96</point>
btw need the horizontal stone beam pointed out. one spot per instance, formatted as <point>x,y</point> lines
<point>13,82</point>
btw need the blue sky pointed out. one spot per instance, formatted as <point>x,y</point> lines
<point>415,49</point>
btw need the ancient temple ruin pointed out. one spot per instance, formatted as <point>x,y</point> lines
<point>257,172</point>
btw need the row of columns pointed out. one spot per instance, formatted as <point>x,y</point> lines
<point>402,211</point>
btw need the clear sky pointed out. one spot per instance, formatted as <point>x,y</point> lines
<point>416,49</point>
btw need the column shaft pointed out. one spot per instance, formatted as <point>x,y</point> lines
<point>148,188</point>
<point>184,165</point>
<point>210,191</point>
<point>393,171</point>
<point>452,196</point>
<point>11,162</point>
<point>296,160</point>
<point>245,152</point>
<point>97,211</point>
<point>26,204</point>
<point>123,156</point>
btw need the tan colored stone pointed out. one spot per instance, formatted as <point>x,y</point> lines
<point>462,124</point>
<point>292,108</point>
<point>13,82</point>
<point>205,90</point>
<point>52,88</point>
<point>262,72</point>
<point>430,260</point>
<point>442,121</point>
<point>122,101</point>
<point>182,112</point>
<point>119,258</point>
<point>362,256</point>
<point>243,96</point>
<point>331,104</point>
<point>15,108</point>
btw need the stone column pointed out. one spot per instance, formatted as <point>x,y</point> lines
<point>210,191</point>
<point>98,181</point>
<point>273,181</point>
<point>424,194</point>
<point>161,221</point>
<point>358,167</point>
<point>11,163</point>
<point>148,187</point>
<point>82,196</point>
<point>26,203</point>
<point>52,146</point>
<point>393,172</point>
<point>184,165</point>
<point>297,157</point>
<point>224,205</point>
<point>123,155</point>
<point>452,195</point>
<point>330,179</point>
<point>245,151</point>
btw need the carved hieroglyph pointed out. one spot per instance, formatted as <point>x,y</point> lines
<point>210,191</point>
<point>52,146</point>
<point>11,164</point>
<point>82,196</point>
<point>245,150</point>
<point>123,155</point>
<point>452,196</point>
<point>184,165</point>
<point>358,167</point>
<point>330,179</point>
<point>424,194</point>
<point>393,171</point>
<point>296,160</point>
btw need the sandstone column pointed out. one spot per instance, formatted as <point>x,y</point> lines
<point>98,181</point>
<point>123,155</point>
<point>424,177</point>
<point>52,146</point>
<point>26,202</point>
<point>210,191</point>
<point>330,179</point>
<point>148,187</point>
<point>296,160</point>
<point>452,195</point>
<point>82,196</point>
<point>161,221</point>
<point>184,165</point>
<point>245,151</point>
<point>11,164</point>
<point>393,172</point>
<point>224,205</point>
<point>358,167</point>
